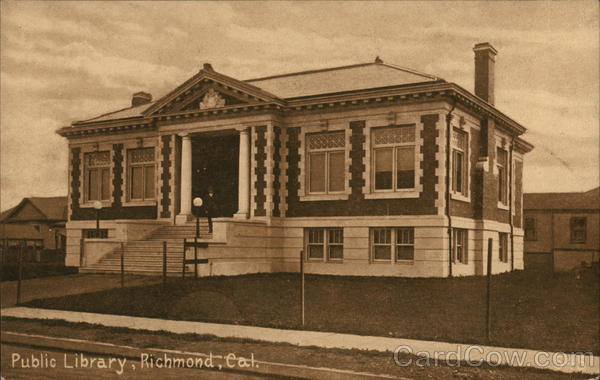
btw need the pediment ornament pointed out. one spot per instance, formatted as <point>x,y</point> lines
<point>212,99</point>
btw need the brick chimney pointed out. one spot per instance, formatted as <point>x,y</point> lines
<point>140,98</point>
<point>485,58</point>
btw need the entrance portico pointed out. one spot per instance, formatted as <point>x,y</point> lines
<point>213,172</point>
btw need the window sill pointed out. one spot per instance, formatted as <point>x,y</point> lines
<point>388,262</point>
<point>139,203</point>
<point>393,195</point>
<point>321,261</point>
<point>105,204</point>
<point>460,197</point>
<point>324,197</point>
<point>405,262</point>
<point>502,206</point>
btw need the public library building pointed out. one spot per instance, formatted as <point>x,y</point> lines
<point>370,169</point>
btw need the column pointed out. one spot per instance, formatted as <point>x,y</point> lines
<point>185,213</point>
<point>244,175</point>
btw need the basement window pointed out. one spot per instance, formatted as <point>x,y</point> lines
<point>93,233</point>
<point>324,244</point>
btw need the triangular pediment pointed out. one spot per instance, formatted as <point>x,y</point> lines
<point>210,90</point>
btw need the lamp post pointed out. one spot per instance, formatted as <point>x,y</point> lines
<point>97,207</point>
<point>197,203</point>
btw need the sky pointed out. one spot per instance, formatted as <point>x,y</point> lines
<point>66,61</point>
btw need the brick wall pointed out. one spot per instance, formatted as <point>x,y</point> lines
<point>276,170</point>
<point>356,203</point>
<point>165,176</point>
<point>518,197</point>
<point>260,171</point>
<point>116,210</point>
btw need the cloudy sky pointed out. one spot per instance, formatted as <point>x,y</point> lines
<point>65,61</point>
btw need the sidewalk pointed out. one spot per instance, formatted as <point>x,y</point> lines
<point>567,363</point>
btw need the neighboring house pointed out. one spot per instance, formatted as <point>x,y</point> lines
<point>370,169</point>
<point>37,223</point>
<point>562,229</point>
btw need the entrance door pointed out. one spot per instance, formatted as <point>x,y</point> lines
<point>215,166</point>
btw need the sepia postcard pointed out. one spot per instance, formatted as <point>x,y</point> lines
<point>300,190</point>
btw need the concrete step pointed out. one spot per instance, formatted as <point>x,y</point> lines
<point>146,256</point>
<point>149,272</point>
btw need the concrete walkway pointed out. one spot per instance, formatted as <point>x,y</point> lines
<point>516,357</point>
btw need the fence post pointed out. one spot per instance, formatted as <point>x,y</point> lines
<point>488,314</point>
<point>302,283</point>
<point>122,265</point>
<point>183,261</point>
<point>81,252</point>
<point>20,275</point>
<point>195,257</point>
<point>5,251</point>
<point>164,264</point>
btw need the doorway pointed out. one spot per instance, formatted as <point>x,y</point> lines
<point>215,167</point>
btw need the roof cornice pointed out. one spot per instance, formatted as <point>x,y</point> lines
<point>426,90</point>
<point>106,127</point>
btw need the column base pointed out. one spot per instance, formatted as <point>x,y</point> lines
<point>183,219</point>
<point>241,215</point>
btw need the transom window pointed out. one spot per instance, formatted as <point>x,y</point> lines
<point>401,241</point>
<point>141,173</point>
<point>502,164</point>
<point>326,163</point>
<point>394,158</point>
<point>460,248</point>
<point>459,162</point>
<point>97,176</point>
<point>578,230</point>
<point>503,246</point>
<point>324,243</point>
<point>530,231</point>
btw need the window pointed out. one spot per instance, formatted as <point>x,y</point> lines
<point>97,176</point>
<point>502,164</point>
<point>326,163</point>
<point>405,243</point>
<point>401,241</point>
<point>530,233</point>
<point>503,246</point>
<point>394,158</point>
<point>459,162</point>
<point>95,234</point>
<point>141,173</point>
<point>460,252</point>
<point>578,230</point>
<point>324,243</point>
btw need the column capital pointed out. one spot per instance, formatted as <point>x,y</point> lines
<point>242,129</point>
<point>185,135</point>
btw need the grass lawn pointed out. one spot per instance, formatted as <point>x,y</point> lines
<point>538,310</point>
